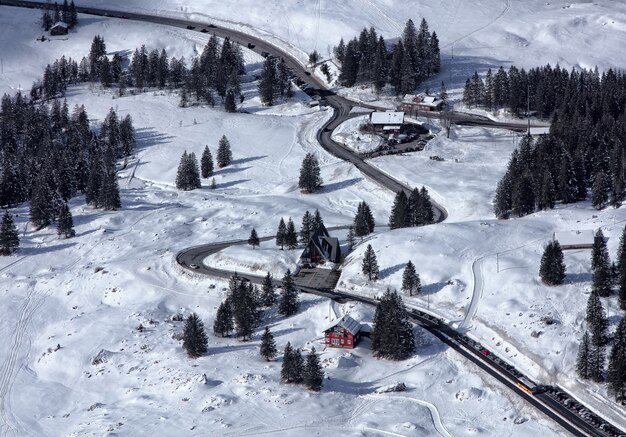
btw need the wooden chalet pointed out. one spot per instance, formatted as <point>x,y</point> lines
<point>344,333</point>
<point>572,240</point>
<point>387,121</point>
<point>59,28</point>
<point>321,248</point>
<point>413,103</point>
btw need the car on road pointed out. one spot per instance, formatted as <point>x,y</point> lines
<point>194,266</point>
<point>190,27</point>
<point>251,46</point>
<point>485,352</point>
<point>308,73</point>
<point>212,26</point>
<point>265,54</point>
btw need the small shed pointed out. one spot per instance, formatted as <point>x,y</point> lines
<point>344,333</point>
<point>388,120</point>
<point>59,28</point>
<point>570,240</point>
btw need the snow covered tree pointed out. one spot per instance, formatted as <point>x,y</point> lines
<point>616,372</point>
<point>268,298</point>
<point>223,324</point>
<point>288,303</point>
<point>597,361</point>
<point>369,266</point>
<point>310,180</point>
<point>267,82</point>
<point>552,268</point>
<point>194,338</point>
<point>268,345</point>
<point>600,190</point>
<point>582,360</point>
<point>597,322</point>
<point>9,240</point>
<point>188,175</point>
<point>364,220</point>
<point>621,270</point>
<point>253,240</point>
<point>350,238</point>
<point>65,223</point>
<point>206,163</point>
<point>602,278</point>
<point>411,280</point>
<point>399,211</point>
<point>313,375</point>
<point>291,237</point>
<point>244,301</point>
<point>224,155</point>
<point>281,234</point>
<point>392,334</point>
<point>306,230</point>
<point>42,203</point>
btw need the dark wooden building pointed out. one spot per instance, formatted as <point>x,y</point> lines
<point>321,248</point>
<point>60,28</point>
<point>343,333</point>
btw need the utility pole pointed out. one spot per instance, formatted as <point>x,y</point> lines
<point>528,107</point>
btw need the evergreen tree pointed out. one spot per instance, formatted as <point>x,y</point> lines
<point>9,240</point>
<point>552,267</point>
<point>369,266</point>
<point>616,372</point>
<point>547,195</point>
<point>230,105</point>
<point>291,237</point>
<point>289,303</point>
<point>268,298</point>
<point>253,240</point>
<point>281,234</point>
<point>224,155</point>
<point>602,278</point>
<point>268,345</point>
<point>392,334</point>
<point>426,207</point>
<point>223,324</point>
<point>600,190</point>
<point>41,206</point>
<point>310,180</point>
<point>317,222</point>
<point>298,366</point>
<point>363,221</point>
<point>411,280</point>
<point>306,230</point>
<point>292,367</point>
<point>350,239</point>
<point>245,301</point>
<point>399,217</point>
<point>597,361</point>
<point>188,175</point>
<point>206,163</point>
<point>267,82</point>
<point>65,223</point>
<point>621,270</point>
<point>181,173</point>
<point>194,338</point>
<point>596,320</point>
<point>313,375</point>
<point>582,360</point>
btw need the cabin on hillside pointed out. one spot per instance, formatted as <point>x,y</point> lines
<point>344,333</point>
<point>571,240</point>
<point>59,28</point>
<point>321,248</point>
<point>387,122</point>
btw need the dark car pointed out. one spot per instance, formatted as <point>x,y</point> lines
<point>213,26</point>
<point>265,54</point>
<point>308,73</point>
<point>204,31</point>
<point>251,46</point>
<point>190,27</point>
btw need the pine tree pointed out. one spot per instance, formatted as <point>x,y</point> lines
<point>316,222</point>
<point>291,237</point>
<point>194,338</point>
<point>244,301</point>
<point>268,345</point>
<point>268,298</point>
<point>596,320</point>
<point>313,375</point>
<point>426,207</point>
<point>616,372</point>
<point>253,240</point>
<point>597,361</point>
<point>602,278</point>
<point>310,180</point>
<point>399,212</point>
<point>9,240</point>
<point>206,163</point>
<point>298,366</point>
<point>547,195</point>
<point>188,176</point>
<point>552,267</point>
<point>289,303</point>
<point>65,223</point>
<point>363,221</point>
<point>370,264</point>
<point>193,172</point>
<point>600,190</point>
<point>292,367</point>
<point>350,239</point>
<point>267,82</point>
<point>223,324</point>
<point>306,230</point>
<point>41,205</point>
<point>582,360</point>
<point>230,105</point>
<point>224,155</point>
<point>411,280</point>
<point>621,269</point>
<point>392,334</point>
<point>281,234</point>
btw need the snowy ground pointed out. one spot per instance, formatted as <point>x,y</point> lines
<point>349,135</point>
<point>90,293</point>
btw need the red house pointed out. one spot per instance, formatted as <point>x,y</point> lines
<point>344,333</point>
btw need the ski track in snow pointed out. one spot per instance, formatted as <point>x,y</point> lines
<point>481,28</point>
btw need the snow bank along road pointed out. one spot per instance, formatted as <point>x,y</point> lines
<point>551,402</point>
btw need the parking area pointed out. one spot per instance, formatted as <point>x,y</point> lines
<point>318,278</point>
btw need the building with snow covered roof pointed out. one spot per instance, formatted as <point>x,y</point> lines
<point>412,103</point>
<point>344,332</point>
<point>570,240</point>
<point>321,248</point>
<point>59,28</point>
<point>387,121</point>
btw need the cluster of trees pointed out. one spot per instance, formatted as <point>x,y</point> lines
<point>364,223</point>
<point>286,235</point>
<point>310,180</point>
<point>275,81</point>
<point>9,239</point>
<point>552,267</point>
<point>392,335</point>
<point>591,360</point>
<point>52,15</point>
<point>585,147</point>
<point>295,370</point>
<point>365,59</point>
<point>415,210</point>
<point>49,156</point>
<point>188,173</point>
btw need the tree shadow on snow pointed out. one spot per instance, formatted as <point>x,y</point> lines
<point>146,137</point>
<point>231,183</point>
<point>339,185</point>
<point>229,170</point>
<point>248,159</point>
<point>229,348</point>
<point>433,288</point>
<point>42,250</point>
<point>575,278</point>
<point>390,270</point>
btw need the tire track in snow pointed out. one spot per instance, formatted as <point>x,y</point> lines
<point>506,9</point>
